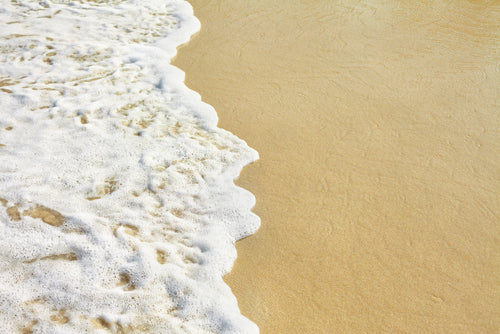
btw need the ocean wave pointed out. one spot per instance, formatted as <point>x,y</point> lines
<point>118,211</point>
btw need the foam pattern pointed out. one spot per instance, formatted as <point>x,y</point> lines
<point>118,211</point>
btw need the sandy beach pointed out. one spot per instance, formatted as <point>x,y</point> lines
<point>378,183</point>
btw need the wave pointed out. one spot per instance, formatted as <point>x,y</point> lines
<point>118,211</point>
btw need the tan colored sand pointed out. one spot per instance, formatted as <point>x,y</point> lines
<point>378,126</point>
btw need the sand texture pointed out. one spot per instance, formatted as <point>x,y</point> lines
<point>378,183</point>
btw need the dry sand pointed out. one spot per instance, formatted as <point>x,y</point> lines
<point>379,179</point>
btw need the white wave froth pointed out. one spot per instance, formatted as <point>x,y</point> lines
<point>118,211</point>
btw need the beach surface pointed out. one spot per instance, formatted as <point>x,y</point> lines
<point>378,184</point>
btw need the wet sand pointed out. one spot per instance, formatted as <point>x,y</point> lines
<point>378,184</point>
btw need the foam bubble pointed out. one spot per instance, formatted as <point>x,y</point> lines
<point>118,211</point>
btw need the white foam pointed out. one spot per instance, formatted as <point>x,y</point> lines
<point>119,212</point>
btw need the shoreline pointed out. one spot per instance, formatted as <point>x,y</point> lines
<point>376,184</point>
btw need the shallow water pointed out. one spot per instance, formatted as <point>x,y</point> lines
<point>378,183</point>
<point>118,211</point>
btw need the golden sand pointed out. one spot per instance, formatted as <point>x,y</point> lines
<point>378,186</point>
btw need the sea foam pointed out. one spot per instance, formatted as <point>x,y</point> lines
<point>118,211</point>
